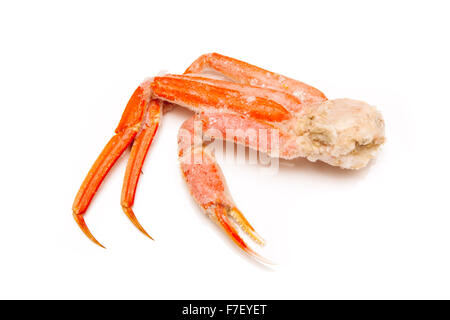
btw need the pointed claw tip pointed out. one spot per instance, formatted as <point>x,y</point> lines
<point>82,224</point>
<point>260,258</point>
<point>130,214</point>
<point>149,236</point>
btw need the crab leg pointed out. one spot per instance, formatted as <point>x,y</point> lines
<point>125,134</point>
<point>258,135</point>
<point>204,176</point>
<point>245,73</point>
<point>208,186</point>
<point>200,95</point>
<point>288,101</point>
<point>138,153</point>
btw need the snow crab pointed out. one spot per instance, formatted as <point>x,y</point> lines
<point>228,94</point>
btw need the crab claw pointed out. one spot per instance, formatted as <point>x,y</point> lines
<point>237,216</point>
<point>208,187</point>
<point>230,219</point>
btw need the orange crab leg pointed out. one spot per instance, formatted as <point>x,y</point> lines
<point>245,131</point>
<point>125,133</point>
<point>208,187</point>
<point>287,100</point>
<point>137,157</point>
<point>206,181</point>
<point>198,94</point>
<point>248,74</point>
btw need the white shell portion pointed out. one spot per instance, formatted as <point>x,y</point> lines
<point>342,132</point>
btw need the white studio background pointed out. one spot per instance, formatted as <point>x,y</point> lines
<point>67,70</point>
